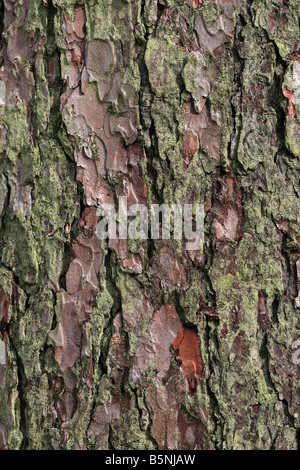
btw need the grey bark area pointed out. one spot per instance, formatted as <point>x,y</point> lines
<point>144,344</point>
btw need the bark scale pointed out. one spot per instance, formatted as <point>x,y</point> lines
<point>142,344</point>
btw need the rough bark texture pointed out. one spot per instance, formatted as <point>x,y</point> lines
<point>142,344</point>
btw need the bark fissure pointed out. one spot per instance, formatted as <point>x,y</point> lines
<point>144,344</point>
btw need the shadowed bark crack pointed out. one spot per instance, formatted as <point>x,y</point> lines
<point>144,344</point>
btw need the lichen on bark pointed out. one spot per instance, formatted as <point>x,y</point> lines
<point>143,344</point>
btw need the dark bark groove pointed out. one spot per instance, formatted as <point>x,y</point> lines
<point>144,344</point>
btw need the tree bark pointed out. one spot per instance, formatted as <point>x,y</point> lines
<point>143,344</point>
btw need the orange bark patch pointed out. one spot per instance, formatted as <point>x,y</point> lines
<point>190,147</point>
<point>295,58</point>
<point>76,58</point>
<point>88,221</point>
<point>195,3</point>
<point>289,94</point>
<point>187,353</point>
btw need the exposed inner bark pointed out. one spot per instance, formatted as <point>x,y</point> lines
<point>145,344</point>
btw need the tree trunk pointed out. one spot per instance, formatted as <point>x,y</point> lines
<point>145,344</point>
